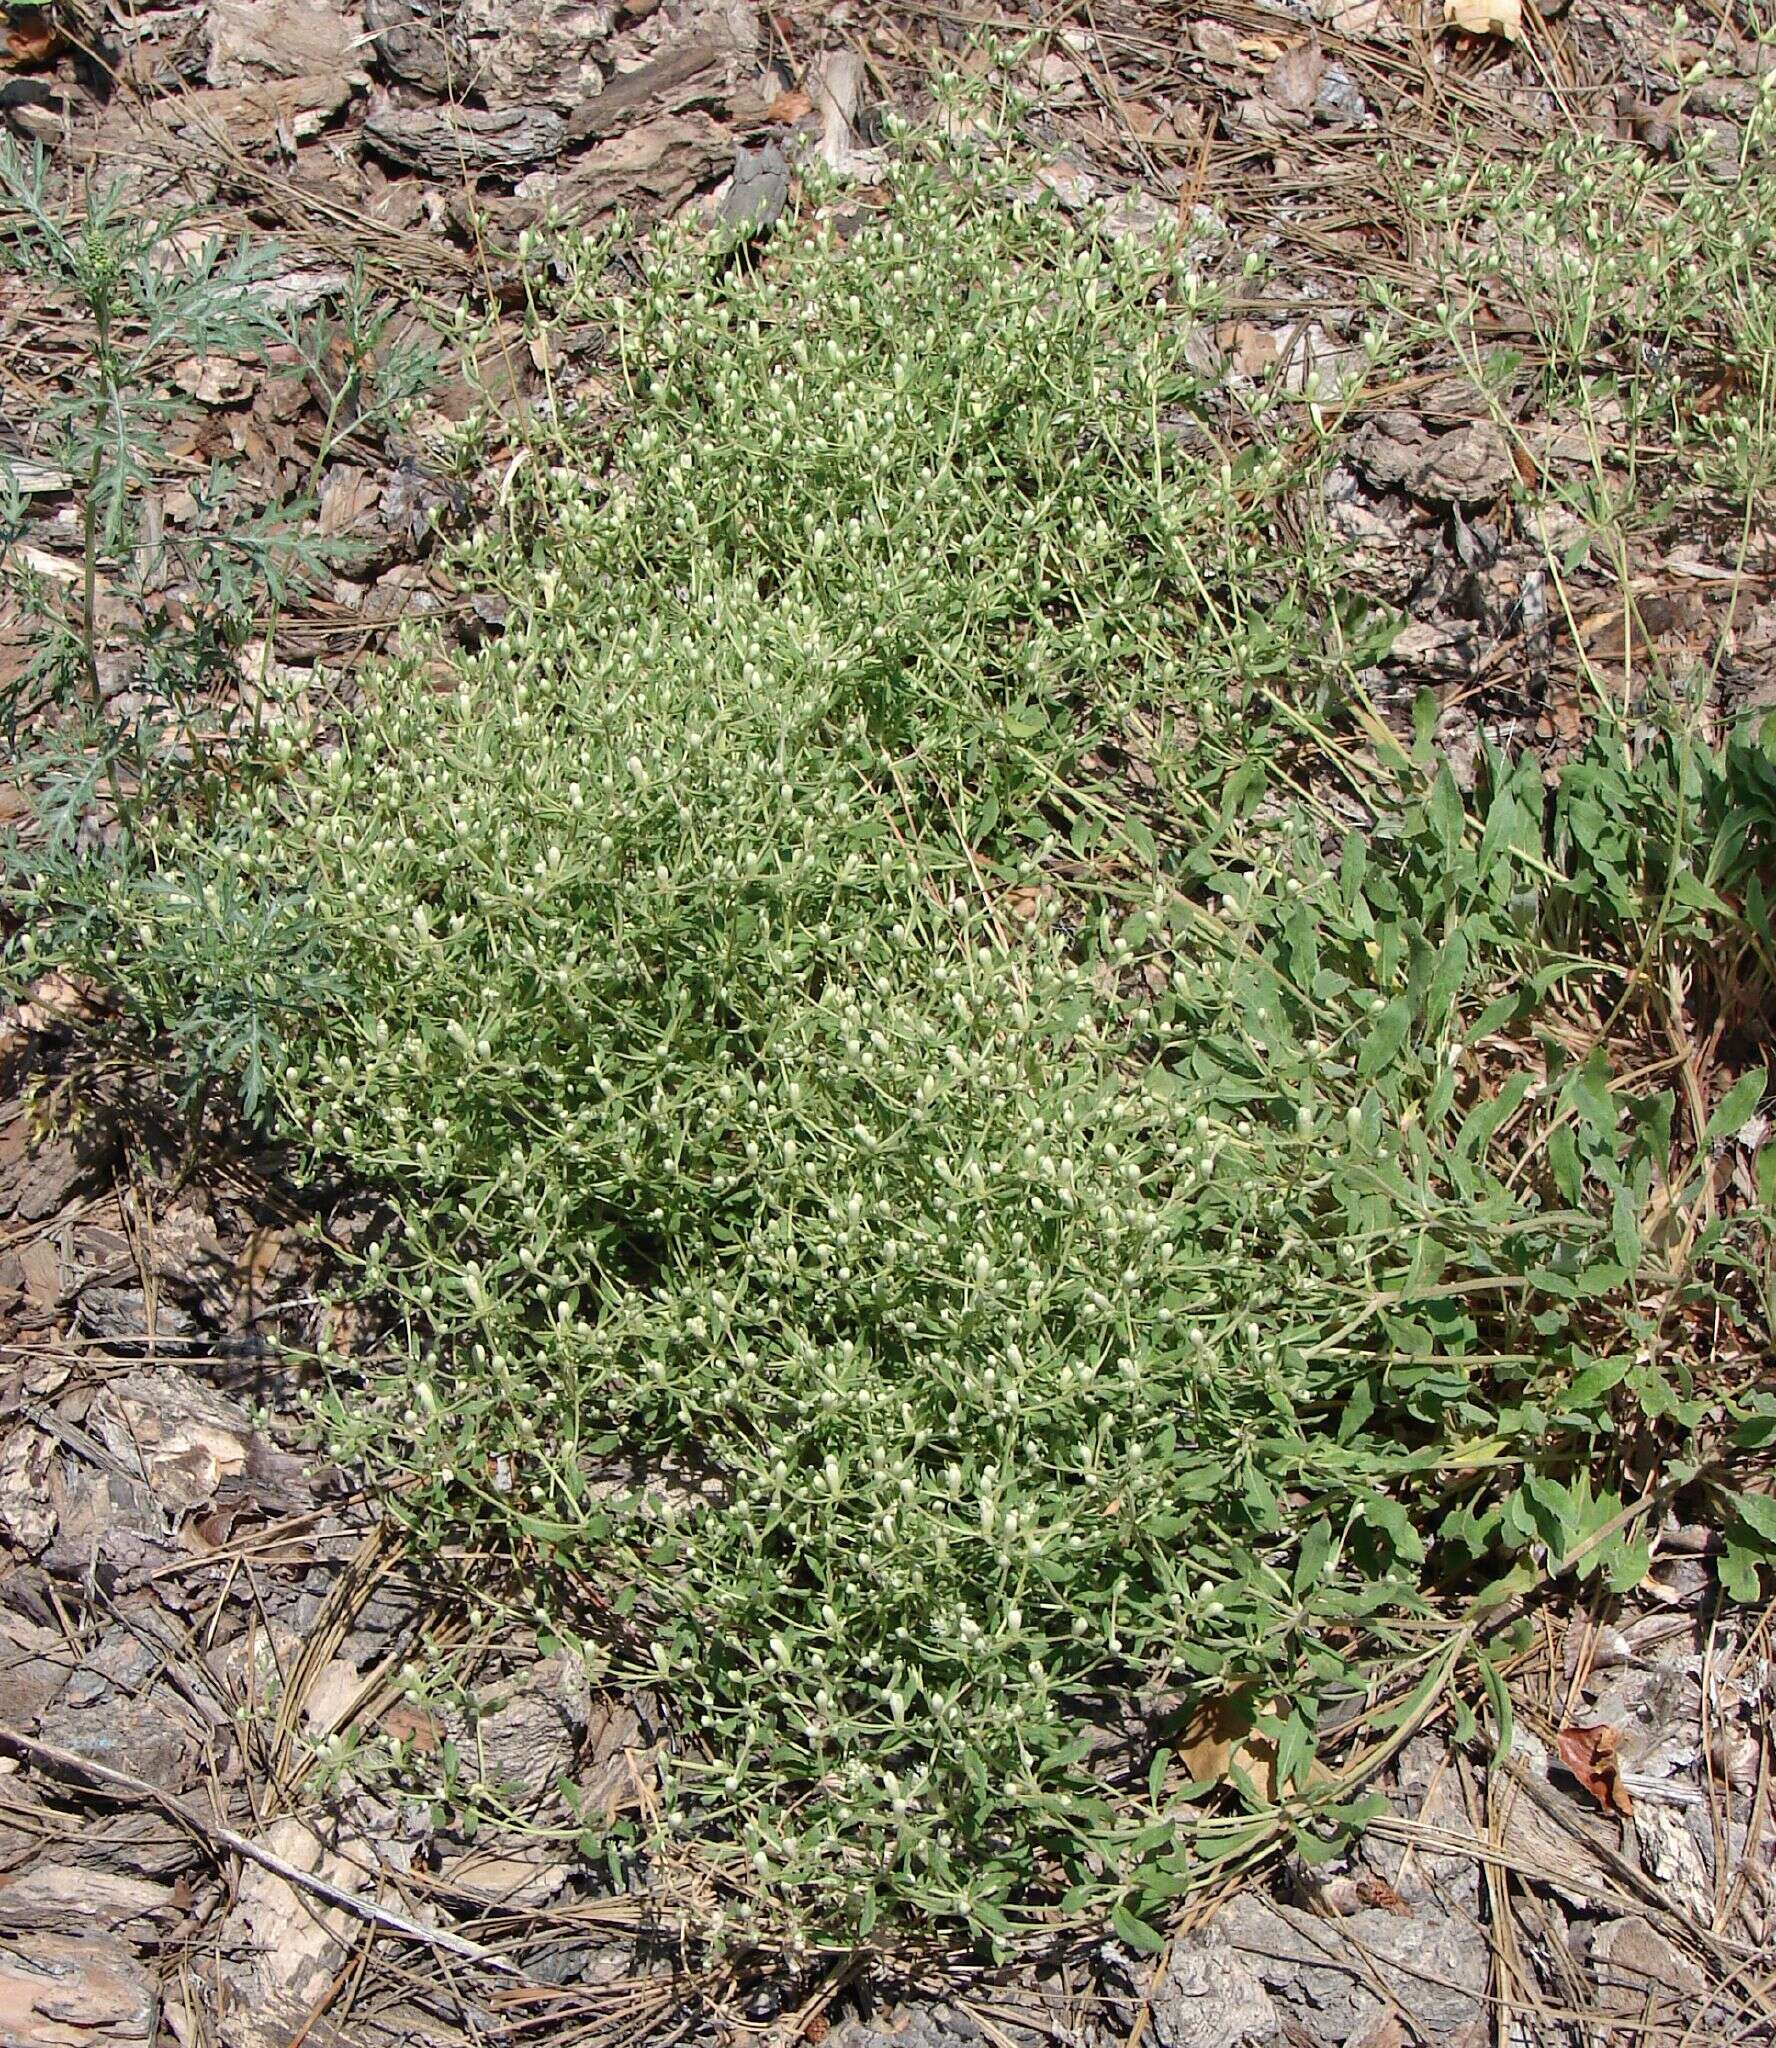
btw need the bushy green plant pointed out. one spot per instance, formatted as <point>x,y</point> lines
<point>938,1254</point>
<point>136,645</point>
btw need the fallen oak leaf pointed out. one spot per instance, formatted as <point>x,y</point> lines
<point>1485,18</point>
<point>1214,1735</point>
<point>33,38</point>
<point>1235,1732</point>
<point>405,1722</point>
<point>1590,1755</point>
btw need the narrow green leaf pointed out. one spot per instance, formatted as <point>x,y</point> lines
<point>1737,1106</point>
<point>1498,1694</point>
<point>1135,1932</point>
<point>1447,814</point>
<point>1384,1038</point>
<point>1627,1563</point>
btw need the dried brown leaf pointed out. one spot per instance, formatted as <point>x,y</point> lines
<point>33,39</point>
<point>1376,1891</point>
<point>1486,18</point>
<point>405,1722</point>
<point>1590,1754</point>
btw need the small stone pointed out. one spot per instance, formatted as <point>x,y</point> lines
<point>1211,1997</point>
<point>51,1175</point>
<point>756,195</point>
<point>56,1895</point>
<point>143,1738</point>
<point>280,1946</point>
<point>63,1991</point>
<point>184,1438</point>
<point>528,1732</point>
<point>1636,1965</point>
<point>1468,467</point>
<point>1318,1971</point>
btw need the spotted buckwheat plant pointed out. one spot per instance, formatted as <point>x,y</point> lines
<point>938,1254</point>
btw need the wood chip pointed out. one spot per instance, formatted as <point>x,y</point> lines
<point>447,142</point>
